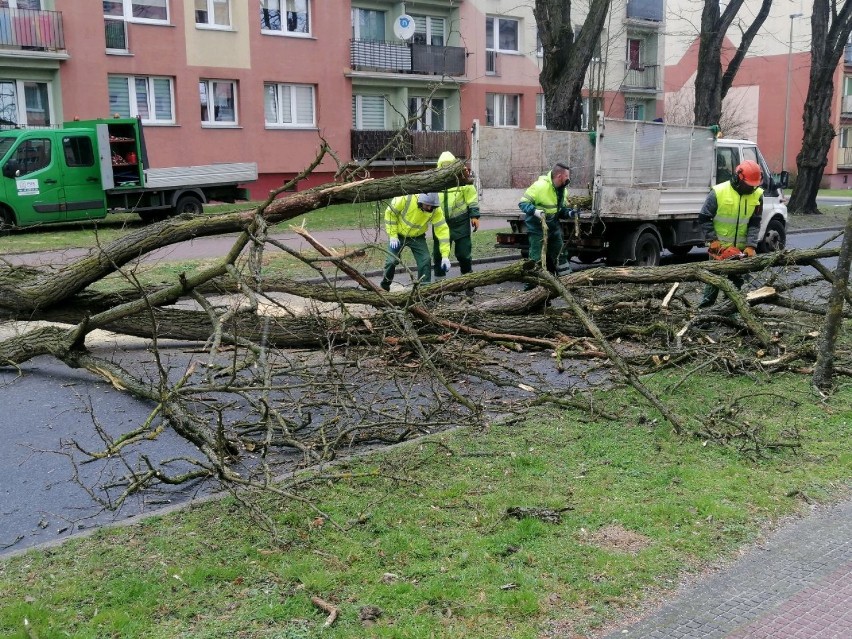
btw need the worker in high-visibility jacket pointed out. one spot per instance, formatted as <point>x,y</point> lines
<point>461,209</point>
<point>544,202</point>
<point>407,218</point>
<point>730,219</point>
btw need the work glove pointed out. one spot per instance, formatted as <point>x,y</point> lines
<point>715,247</point>
<point>445,265</point>
<point>474,222</point>
<point>393,243</point>
<point>539,214</point>
<point>749,251</point>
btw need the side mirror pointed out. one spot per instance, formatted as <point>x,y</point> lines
<point>11,169</point>
<point>784,179</point>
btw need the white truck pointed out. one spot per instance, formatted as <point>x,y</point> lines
<point>647,183</point>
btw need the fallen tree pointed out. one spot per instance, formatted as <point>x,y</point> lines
<point>385,367</point>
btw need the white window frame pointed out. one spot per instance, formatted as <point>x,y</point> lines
<point>127,7</point>
<point>540,119</point>
<point>211,13</point>
<point>424,112</point>
<point>280,88</point>
<point>283,31</point>
<point>21,102</point>
<point>496,34</point>
<point>635,105</point>
<point>359,116</point>
<point>498,103</point>
<point>428,34</point>
<point>211,121</point>
<point>356,23</point>
<point>152,110</point>
<point>13,4</point>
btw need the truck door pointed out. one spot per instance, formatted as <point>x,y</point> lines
<point>81,175</point>
<point>33,181</point>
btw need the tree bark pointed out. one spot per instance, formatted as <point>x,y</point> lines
<point>829,35</point>
<point>834,319</point>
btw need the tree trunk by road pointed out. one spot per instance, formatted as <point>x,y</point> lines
<point>830,31</point>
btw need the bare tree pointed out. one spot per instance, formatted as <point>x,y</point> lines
<point>711,83</point>
<point>565,59</point>
<point>830,31</point>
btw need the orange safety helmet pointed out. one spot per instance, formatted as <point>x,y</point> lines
<point>748,173</point>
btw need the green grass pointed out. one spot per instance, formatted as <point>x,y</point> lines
<point>426,538</point>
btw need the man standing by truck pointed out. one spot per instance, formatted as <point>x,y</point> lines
<point>545,203</point>
<point>461,209</point>
<point>730,219</point>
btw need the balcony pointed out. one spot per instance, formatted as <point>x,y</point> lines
<point>640,79</point>
<point>650,10</point>
<point>28,30</point>
<point>404,57</point>
<point>423,147</point>
<point>844,158</point>
<point>115,34</point>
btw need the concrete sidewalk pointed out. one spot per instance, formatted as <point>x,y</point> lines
<point>795,584</point>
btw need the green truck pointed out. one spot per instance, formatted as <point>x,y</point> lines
<point>85,169</point>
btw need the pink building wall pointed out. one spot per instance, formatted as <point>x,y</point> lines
<point>161,50</point>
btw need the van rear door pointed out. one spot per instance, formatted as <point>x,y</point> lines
<point>81,174</point>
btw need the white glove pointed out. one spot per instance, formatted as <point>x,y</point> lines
<point>539,214</point>
<point>445,265</point>
<point>394,243</point>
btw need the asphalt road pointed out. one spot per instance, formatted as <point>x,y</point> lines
<point>47,407</point>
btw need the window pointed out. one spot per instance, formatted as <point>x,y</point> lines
<point>501,109</point>
<point>78,151</point>
<point>24,103</point>
<point>634,110</point>
<point>32,155</point>
<point>368,112</point>
<point>21,4</point>
<point>138,10</point>
<point>589,117</point>
<point>425,114</point>
<point>368,25</point>
<point>845,137</point>
<point>501,34</point>
<point>218,102</point>
<point>213,13</point>
<point>290,105</point>
<point>285,16</point>
<point>539,111</point>
<point>146,97</point>
<point>428,30</point>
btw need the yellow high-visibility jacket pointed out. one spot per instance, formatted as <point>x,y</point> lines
<point>405,218</point>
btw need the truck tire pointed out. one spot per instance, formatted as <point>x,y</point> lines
<point>679,251</point>
<point>647,249</point>
<point>775,238</point>
<point>190,204</point>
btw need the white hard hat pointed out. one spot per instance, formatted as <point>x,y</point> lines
<point>429,198</point>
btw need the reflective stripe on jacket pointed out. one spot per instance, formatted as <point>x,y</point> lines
<point>542,195</point>
<point>405,218</point>
<point>733,212</point>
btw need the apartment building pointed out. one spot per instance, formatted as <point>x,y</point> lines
<point>268,80</point>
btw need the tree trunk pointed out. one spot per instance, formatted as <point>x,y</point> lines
<point>828,40</point>
<point>823,370</point>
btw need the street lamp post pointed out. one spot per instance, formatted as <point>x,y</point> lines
<point>793,16</point>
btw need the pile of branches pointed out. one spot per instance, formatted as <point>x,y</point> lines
<point>273,387</point>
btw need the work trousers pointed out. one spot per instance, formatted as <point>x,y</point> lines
<point>711,292</point>
<point>536,238</point>
<point>419,249</point>
<point>460,241</point>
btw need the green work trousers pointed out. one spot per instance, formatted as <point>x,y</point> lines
<point>535,237</point>
<point>419,249</point>
<point>711,292</point>
<point>460,241</point>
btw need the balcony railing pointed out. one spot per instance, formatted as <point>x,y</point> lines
<point>846,108</point>
<point>115,33</point>
<point>31,30</point>
<point>404,57</point>
<point>641,78</point>
<point>844,158</point>
<point>412,146</point>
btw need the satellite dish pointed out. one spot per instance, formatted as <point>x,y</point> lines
<point>403,27</point>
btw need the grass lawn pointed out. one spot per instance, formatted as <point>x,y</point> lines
<point>422,532</point>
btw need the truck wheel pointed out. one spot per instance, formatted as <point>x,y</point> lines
<point>679,251</point>
<point>775,238</point>
<point>647,250</point>
<point>189,204</point>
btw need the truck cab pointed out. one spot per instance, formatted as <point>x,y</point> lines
<point>49,175</point>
